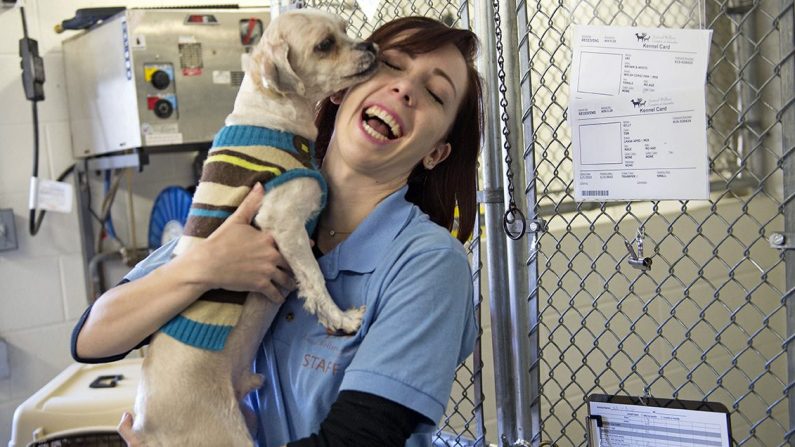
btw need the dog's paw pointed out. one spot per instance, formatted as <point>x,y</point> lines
<point>347,322</point>
<point>353,319</point>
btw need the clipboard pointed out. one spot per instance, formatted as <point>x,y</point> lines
<point>630,421</point>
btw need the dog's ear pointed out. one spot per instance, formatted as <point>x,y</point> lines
<point>276,70</point>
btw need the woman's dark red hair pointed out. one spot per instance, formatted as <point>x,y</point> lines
<point>454,181</point>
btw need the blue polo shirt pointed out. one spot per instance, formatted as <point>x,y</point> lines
<point>415,281</point>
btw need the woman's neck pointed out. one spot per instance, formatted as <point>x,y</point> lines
<point>351,199</point>
<point>350,203</point>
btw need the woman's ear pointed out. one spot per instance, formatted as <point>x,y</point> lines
<point>437,155</point>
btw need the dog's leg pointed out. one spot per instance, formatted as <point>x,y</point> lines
<point>248,383</point>
<point>284,212</point>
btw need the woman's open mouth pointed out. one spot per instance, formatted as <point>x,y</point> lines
<point>380,124</point>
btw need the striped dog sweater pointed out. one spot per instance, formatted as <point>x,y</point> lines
<point>240,157</point>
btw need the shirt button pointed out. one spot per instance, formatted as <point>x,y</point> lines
<point>290,316</point>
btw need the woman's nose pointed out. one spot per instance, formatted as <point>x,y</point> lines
<point>405,91</point>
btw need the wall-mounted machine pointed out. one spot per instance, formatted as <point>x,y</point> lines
<point>156,78</point>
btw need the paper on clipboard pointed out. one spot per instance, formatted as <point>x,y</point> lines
<point>637,113</point>
<point>640,426</point>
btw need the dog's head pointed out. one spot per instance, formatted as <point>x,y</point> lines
<point>307,53</point>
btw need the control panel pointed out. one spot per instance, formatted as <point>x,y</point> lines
<point>161,98</point>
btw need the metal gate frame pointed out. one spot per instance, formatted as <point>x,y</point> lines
<point>787,160</point>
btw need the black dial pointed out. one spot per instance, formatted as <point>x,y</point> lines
<point>163,108</point>
<point>160,79</point>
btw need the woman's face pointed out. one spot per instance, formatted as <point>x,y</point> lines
<point>401,116</point>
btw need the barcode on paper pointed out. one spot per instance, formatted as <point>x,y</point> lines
<point>595,192</point>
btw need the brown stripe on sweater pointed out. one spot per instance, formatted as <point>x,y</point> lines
<point>203,227</point>
<point>269,154</point>
<point>247,157</point>
<point>305,158</point>
<point>232,175</point>
<point>224,296</point>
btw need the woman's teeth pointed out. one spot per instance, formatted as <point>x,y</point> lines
<point>377,112</point>
<point>373,133</point>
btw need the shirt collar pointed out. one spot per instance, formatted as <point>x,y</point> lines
<point>366,245</point>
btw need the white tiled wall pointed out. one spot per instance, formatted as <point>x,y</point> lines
<point>42,291</point>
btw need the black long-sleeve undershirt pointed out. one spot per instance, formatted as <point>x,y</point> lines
<point>358,419</point>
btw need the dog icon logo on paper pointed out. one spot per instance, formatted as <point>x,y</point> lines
<point>640,102</point>
<point>642,37</point>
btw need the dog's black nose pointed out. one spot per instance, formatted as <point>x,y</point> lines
<point>366,46</point>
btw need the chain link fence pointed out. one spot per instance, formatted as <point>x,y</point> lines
<point>708,321</point>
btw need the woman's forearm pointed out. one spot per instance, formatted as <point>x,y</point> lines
<point>235,257</point>
<point>130,312</point>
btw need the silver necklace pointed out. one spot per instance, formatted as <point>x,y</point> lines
<point>333,233</point>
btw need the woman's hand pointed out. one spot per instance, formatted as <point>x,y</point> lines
<point>125,430</point>
<point>239,257</point>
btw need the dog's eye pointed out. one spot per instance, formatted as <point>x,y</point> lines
<point>326,45</point>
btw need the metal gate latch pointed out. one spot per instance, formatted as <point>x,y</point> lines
<point>637,260</point>
<point>782,241</point>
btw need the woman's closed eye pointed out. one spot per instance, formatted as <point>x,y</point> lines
<point>435,97</point>
<point>391,65</point>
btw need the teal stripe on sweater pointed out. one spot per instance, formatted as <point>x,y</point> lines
<point>258,136</point>
<point>199,335</point>
<point>219,214</point>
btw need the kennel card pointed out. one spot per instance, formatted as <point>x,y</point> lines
<point>611,61</point>
<point>624,421</point>
<point>652,148</point>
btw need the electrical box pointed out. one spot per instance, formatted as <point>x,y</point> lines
<point>8,231</point>
<point>157,78</point>
<point>5,369</point>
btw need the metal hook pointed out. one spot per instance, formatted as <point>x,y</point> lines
<point>646,398</point>
<point>631,250</point>
<point>637,260</point>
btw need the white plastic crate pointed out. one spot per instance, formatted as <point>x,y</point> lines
<point>81,406</point>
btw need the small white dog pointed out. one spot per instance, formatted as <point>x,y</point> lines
<point>198,367</point>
